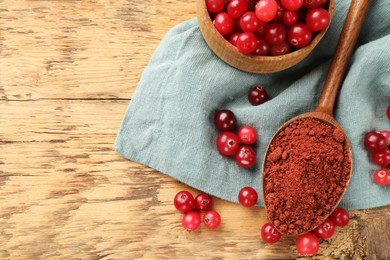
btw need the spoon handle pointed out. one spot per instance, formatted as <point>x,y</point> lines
<point>352,25</point>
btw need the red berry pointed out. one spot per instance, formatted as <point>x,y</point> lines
<point>374,141</point>
<point>290,17</point>
<point>233,38</point>
<point>279,13</point>
<point>246,42</point>
<point>215,6</point>
<point>317,19</point>
<point>228,143</point>
<point>299,35</point>
<point>247,197</point>
<point>386,134</point>
<point>307,244</point>
<point>236,8</point>
<point>211,219</point>
<point>191,220</point>
<point>382,177</point>
<point>261,29</point>
<point>249,22</point>
<point>203,202</point>
<point>388,112</point>
<point>270,234</point>
<point>223,23</point>
<point>292,4</point>
<point>280,49</point>
<point>325,230</point>
<point>312,3</point>
<point>245,157</point>
<point>262,48</point>
<point>275,33</point>
<point>247,135</point>
<point>257,95</point>
<point>381,157</point>
<point>184,201</point>
<point>266,10</point>
<point>225,120</point>
<point>340,217</point>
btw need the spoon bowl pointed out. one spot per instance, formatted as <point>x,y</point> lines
<point>324,113</point>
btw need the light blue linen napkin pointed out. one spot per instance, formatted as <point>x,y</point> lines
<point>169,122</point>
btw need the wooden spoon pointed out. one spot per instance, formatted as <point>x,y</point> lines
<point>324,109</point>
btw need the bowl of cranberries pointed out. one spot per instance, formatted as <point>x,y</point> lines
<point>263,36</point>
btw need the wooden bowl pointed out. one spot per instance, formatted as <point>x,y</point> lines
<point>248,62</point>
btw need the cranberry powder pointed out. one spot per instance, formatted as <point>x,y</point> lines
<point>306,171</point>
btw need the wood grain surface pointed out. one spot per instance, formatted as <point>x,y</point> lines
<point>67,72</point>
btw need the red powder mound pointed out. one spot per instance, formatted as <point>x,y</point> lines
<point>306,170</point>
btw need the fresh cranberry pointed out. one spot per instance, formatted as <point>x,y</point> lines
<point>290,17</point>
<point>270,234</point>
<point>382,177</point>
<point>245,157</point>
<point>386,134</point>
<point>292,4</point>
<point>388,112</point>
<point>381,157</point>
<point>374,141</point>
<point>223,23</point>
<point>246,42</point>
<point>279,13</point>
<point>191,220</point>
<point>236,8</point>
<point>225,120</point>
<point>307,244</point>
<point>184,201</point>
<point>249,22</point>
<point>247,135</point>
<point>275,33</point>
<point>247,197</point>
<point>266,10</point>
<point>257,95</point>
<point>299,35</point>
<point>317,19</point>
<point>203,202</point>
<point>233,38</point>
<point>280,49</point>
<point>340,217</point>
<point>260,31</point>
<point>228,143</point>
<point>215,6</point>
<point>211,219</point>
<point>325,230</point>
<point>312,3</point>
<point>262,48</point>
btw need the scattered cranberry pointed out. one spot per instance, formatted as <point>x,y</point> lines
<point>211,219</point>
<point>247,197</point>
<point>381,157</point>
<point>374,141</point>
<point>203,202</point>
<point>191,220</point>
<point>257,95</point>
<point>292,4</point>
<point>340,217</point>
<point>215,6</point>
<point>275,33</point>
<point>184,201</point>
<point>223,23</point>
<point>266,10</point>
<point>317,19</point>
<point>290,17</point>
<point>280,49</point>
<point>325,230</point>
<point>386,134</point>
<point>247,135</point>
<point>270,234</point>
<point>262,48</point>
<point>299,35</point>
<point>228,143</point>
<point>307,244</point>
<point>245,157</point>
<point>388,112</point>
<point>249,22</point>
<point>236,8</point>
<point>225,120</point>
<point>382,177</point>
<point>246,42</point>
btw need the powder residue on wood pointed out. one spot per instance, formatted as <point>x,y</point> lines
<point>306,171</point>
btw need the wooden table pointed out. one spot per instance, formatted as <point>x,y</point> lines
<point>67,72</point>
